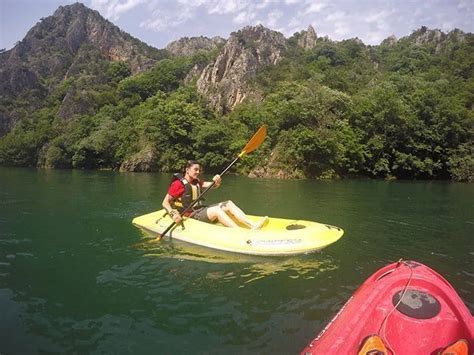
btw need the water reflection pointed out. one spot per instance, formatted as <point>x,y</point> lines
<point>251,268</point>
<point>77,277</point>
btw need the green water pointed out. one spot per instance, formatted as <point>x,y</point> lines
<point>77,277</point>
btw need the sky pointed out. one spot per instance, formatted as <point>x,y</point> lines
<point>159,22</point>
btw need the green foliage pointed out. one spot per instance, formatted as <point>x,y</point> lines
<point>166,76</point>
<point>167,122</point>
<point>461,162</point>
<point>97,149</point>
<point>21,146</point>
<point>118,71</point>
<point>218,141</point>
<point>398,110</point>
<point>309,104</point>
<point>311,154</point>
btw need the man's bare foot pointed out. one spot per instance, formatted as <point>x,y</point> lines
<point>259,224</point>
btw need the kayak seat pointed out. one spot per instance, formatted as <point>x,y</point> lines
<point>458,348</point>
<point>416,304</point>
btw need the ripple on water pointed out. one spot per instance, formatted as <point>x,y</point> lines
<point>13,240</point>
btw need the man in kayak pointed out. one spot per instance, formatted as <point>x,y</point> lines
<point>186,189</point>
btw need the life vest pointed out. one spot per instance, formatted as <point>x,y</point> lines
<point>191,193</point>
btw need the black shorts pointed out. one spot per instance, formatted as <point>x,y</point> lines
<point>201,213</point>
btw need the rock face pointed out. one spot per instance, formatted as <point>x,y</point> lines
<point>144,160</point>
<point>74,104</point>
<point>390,41</point>
<point>307,39</point>
<point>424,35</point>
<point>52,51</point>
<point>63,33</point>
<point>188,46</point>
<point>436,38</point>
<point>224,82</point>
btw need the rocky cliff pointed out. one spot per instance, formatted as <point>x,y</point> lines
<point>225,81</point>
<point>52,43</point>
<point>188,46</point>
<point>55,47</point>
<point>307,39</point>
<point>439,40</point>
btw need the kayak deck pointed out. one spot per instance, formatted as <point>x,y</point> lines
<point>413,309</point>
<point>278,236</point>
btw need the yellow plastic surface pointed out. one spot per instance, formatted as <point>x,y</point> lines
<point>273,239</point>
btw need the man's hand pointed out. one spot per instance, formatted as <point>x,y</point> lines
<point>217,180</point>
<point>175,216</point>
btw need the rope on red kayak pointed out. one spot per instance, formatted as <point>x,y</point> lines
<point>382,328</point>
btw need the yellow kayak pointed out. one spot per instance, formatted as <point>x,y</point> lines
<point>278,236</point>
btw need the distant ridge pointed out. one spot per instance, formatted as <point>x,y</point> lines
<point>78,92</point>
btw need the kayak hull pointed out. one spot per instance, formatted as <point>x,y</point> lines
<point>277,237</point>
<point>429,314</point>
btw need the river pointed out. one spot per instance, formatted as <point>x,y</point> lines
<point>77,277</point>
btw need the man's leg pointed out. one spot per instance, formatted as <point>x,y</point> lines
<point>234,210</point>
<point>214,212</point>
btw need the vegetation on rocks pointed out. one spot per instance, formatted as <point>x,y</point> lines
<point>402,109</point>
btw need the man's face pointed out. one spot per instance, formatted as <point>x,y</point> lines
<point>193,171</point>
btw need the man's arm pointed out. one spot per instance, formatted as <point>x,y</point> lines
<point>172,212</point>
<point>216,178</point>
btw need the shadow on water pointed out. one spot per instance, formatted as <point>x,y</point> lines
<point>249,268</point>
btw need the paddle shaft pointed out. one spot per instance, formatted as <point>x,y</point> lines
<point>192,204</point>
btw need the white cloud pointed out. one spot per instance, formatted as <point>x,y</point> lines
<point>114,9</point>
<point>447,26</point>
<point>315,7</point>
<point>222,7</point>
<point>163,19</point>
<point>273,18</point>
<point>244,17</point>
<point>381,20</point>
<point>193,3</point>
<point>371,21</point>
<point>295,21</point>
<point>376,17</point>
<point>158,25</point>
<point>264,4</point>
<point>374,37</point>
<point>466,5</point>
<point>336,16</point>
<point>341,29</point>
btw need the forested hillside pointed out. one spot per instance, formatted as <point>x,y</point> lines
<point>403,109</point>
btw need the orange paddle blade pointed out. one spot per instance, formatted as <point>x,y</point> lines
<point>458,348</point>
<point>373,345</point>
<point>255,141</point>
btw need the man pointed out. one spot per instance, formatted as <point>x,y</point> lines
<point>186,189</point>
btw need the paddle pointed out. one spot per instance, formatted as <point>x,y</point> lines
<point>252,144</point>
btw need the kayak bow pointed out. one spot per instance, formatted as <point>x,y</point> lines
<point>408,307</point>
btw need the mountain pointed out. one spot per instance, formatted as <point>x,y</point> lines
<point>307,39</point>
<point>189,46</point>
<point>59,47</point>
<point>49,48</point>
<point>77,92</point>
<point>225,82</point>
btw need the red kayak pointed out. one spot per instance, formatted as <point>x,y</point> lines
<point>403,308</point>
